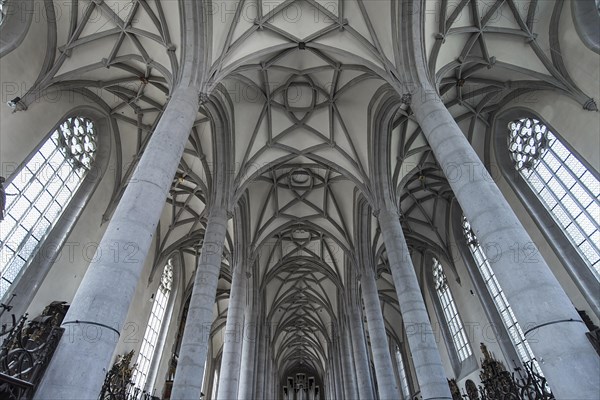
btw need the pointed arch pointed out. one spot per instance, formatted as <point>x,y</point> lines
<point>46,195</point>
<point>534,189</point>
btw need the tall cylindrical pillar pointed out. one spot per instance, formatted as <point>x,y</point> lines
<point>349,371</point>
<point>232,346</point>
<point>261,362</point>
<point>246,391</point>
<point>340,367</point>
<point>194,344</point>
<point>361,357</point>
<point>552,326</point>
<point>421,340</point>
<point>335,375</point>
<point>386,382</point>
<point>99,308</point>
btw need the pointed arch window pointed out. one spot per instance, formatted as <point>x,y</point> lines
<point>215,383</point>
<point>500,301</point>
<point>568,190</point>
<point>40,191</point>
<point>2,11</point>
<point>149,343</point>
<point>453,320</point>
<point>403,375</point>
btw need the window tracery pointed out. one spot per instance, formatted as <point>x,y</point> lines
<point>151,335</point>
<point>500,301</point>
<point>404,386</point>
<point>568,190</point>
<point>2,11</point>
<point>40,191</point>
<point>455,325</point>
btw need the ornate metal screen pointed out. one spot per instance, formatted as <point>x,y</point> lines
<point>27,348</point>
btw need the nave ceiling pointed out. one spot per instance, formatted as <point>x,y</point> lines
<point>300,84</point>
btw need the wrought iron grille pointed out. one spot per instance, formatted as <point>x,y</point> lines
<point>27,349</point>
<point>497,383</point>
<point>118,384</point>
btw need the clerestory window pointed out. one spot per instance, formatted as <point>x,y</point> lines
<point>500,301</point>
<point>2,11</point>
<point>39,192</point>
<point>149,343</point>
<point>568,190</point>
<point>453,320</point>
<point>403,375</point>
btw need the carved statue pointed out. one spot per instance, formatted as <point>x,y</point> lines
<point>454,390</point>
<point>118,379</point>
<point>40,327</point>
<point>472,391</point>
<point>27,349</point>
<point>485,352</point>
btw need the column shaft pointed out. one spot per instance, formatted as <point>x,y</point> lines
<point>261,360</point>
<point>339,362</point>
<point>100,306</point>
<point>232,346</point>
<point>336,377</point>
<point>386,382</point>
<point>421,341</point>
<point>349,371</point>
<point>194,344</point>
<point>268,369</point>
<point>551,323</point>
<point>246,391</point>
<point>361,357</point>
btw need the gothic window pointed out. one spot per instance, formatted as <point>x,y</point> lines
<point>404,386</point>
<point>215,386</point>
<point>148,349</point>
<point>204,375</point>
<point>508,317</point>
<point>568,190</point>
<point>455,325</point>
<point>39,192</point>
<point>2,11</point>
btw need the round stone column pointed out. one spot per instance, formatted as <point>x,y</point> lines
<point>552,326</point>
<point>99,308</point>
<point>194,344</point>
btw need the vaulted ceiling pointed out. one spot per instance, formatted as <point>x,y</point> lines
<point>301,80</point>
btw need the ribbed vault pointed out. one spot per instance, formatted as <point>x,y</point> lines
<point>290,91</point>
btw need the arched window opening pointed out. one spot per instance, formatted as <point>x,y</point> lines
<point>155,322</point>
<point>453,320</point>
<point>203,388</point>
<point>40,191</point>
<point>569,191</point>
<point>404,385</point>
<point>2,11</point>
<point>215,384</point>
<point>500,301</point>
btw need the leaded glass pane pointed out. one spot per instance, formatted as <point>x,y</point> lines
<point>11,272</point>
<point>500,301</point>
<point>41,228</point>
<point>29,247</point>
<point>30,219</point>
<point>30,209</point>
<point>453,320</point>
<point>48,149</point>
<point>557,176</point>
<point>36,162</point>
<point>148,349</point>
<point>18,209</point>
<point>554,186</point>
